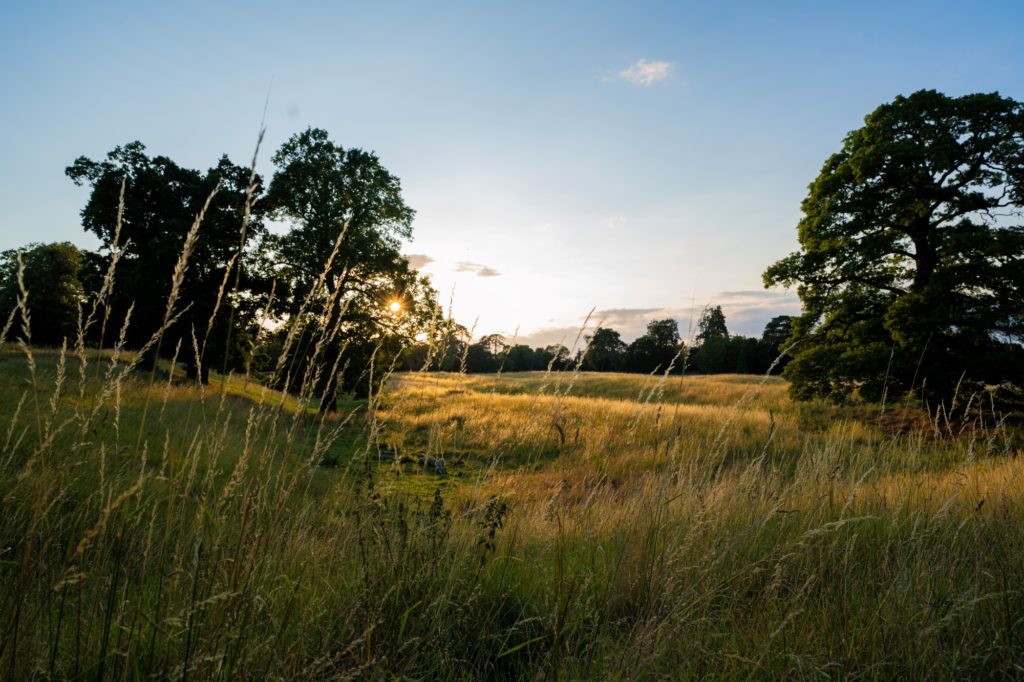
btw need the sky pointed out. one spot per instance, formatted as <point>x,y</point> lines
<point>642,160</point>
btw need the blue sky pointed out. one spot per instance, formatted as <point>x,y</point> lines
<point>646,159</point>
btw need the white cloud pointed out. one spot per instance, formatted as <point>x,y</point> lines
<point>614,222</point>
<point>547,336</point>
<point>624,317</point>
<point>418,260</point>
<point>646,73</point>
<point>479,269</point>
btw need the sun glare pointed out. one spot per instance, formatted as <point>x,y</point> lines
<point>394,306</point>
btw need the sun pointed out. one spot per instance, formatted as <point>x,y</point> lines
<point>394,306</point>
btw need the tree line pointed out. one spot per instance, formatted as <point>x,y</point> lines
<point>660,349</point>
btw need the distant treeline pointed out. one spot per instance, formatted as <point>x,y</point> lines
<point>713,351</point>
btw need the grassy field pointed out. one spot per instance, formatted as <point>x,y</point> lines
<point>590,526</point>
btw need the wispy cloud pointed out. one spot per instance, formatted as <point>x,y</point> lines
<point>614,222</point>
<point>646,73</point>
<point>752,295</point>
<point>418,260</point>
<point>624,317</point>
<point>547,336</point>
<point>479,269</point>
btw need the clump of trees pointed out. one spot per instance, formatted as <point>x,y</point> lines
<point>452,350</point>
<point>911,260</point>
<point>659,350</point>
<point>187,252</point>
<point>142,209</point>
<point>52,276</point>
<point>716,350</point>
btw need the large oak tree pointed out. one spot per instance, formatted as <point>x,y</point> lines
<point>911,260</point>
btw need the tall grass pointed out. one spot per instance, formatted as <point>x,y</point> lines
<point>590,526</point>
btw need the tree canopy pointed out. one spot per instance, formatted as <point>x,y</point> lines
<point>911,260</point>
<point>52,275</point>
<point>335,286</point>
<point>605,351</point>
<point>340,263</point>
<point>657,350</point>
<point>162,202</point>
<point>324,191</point>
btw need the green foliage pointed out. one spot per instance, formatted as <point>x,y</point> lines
<point>52,277</point>
<point>162,201</point>
<point>656,350</point>
<point>605,352</point>
<point>520,358</point>
<point>487,355</point>
<point>480,359</point>
<point>340,267</point>
<point>556,357</point>
<point>712,353</point>
<point>911,268</point>
<point>490,354</point>
<point>323,190</point>
<point>712,325</point>
<point>777,331</point>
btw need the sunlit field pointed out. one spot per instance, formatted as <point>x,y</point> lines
<point>586,526</point>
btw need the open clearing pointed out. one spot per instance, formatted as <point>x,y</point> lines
<point>589,525</point>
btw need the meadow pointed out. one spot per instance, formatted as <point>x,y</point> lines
<point>588,526</point>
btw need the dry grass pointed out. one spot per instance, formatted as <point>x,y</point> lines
<point>591,526</point>
<point>747,537</point>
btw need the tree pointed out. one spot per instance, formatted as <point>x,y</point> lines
<point>495,345</point>
<point>555,356</point>
<point>605,351</point>
<point>911,261</point>
<point>774,340</point>
<point>741,356</point>
<point>441,347</point>
<point>479,359</point>
<point>52,277</point>
<point>778,329</point>
<point>657,349</point>
<point>519,358</point>
<point>711,354</point>
<point>324,190</point>
<point>712,325</point>
<point>340,265</point>
<point>161,203</point>
<point>450,346</point>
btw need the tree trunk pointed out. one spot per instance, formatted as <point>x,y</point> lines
<point>925,257</point>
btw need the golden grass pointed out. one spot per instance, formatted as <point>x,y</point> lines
<point>591,526</point>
